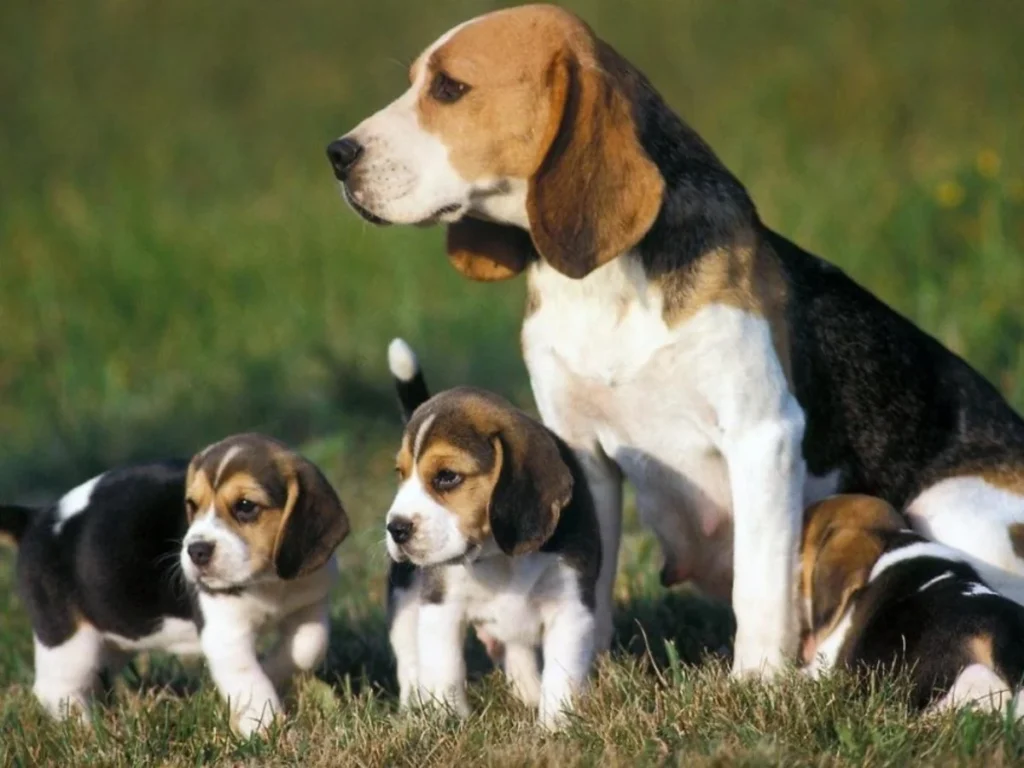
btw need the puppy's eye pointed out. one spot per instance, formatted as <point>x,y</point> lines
<point>245,511</point>
<point>447,90</point>
<point>191,507</point>
<point>445,480</point>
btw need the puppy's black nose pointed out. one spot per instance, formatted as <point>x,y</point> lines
<point>400,530</point>
<point>200,552</point>
<point>343,154</point>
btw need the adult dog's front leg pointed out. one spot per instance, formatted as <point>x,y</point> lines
<point>766,471</point>
<point>231,653</point>
<point>442,668</point>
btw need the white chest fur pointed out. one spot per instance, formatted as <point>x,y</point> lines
<point>507,597</point>
<point>663,402</point>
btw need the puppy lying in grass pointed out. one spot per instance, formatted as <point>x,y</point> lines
<point>876,595</point>
<point>493,525</point>
<point>187,558</point>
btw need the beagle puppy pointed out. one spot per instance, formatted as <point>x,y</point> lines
<point>877,596</point>
<point>492,526</point>
<point>672,339</point>
<point>187,558</point>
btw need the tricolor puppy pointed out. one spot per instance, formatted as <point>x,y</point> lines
<point>188,558</point>
<point>673,339</point>
<point>492,526</point>
<point>877,596</point>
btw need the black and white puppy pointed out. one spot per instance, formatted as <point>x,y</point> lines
<point>493,525</point>
<point>250,525</point>
<point>878,596</point>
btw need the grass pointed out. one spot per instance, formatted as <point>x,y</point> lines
<point>175,265</point>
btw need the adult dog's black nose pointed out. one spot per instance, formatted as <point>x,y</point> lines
<point>200,552</point>
<point>400,530</point>
<point>343,154</point>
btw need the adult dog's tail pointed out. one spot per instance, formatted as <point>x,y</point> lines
<point>14,521</point>
<point>409,382</point>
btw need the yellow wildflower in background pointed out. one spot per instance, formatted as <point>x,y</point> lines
<point>988,163</point>
<point>949,194</point>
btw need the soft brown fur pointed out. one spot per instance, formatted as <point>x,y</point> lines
<point>300,520</point>
<point>552,104</point>
<point>515,483</point>
<point>840,546</point>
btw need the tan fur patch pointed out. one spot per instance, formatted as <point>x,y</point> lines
<point>469,501</point>
<point>840,546</point>
<point>1008,478</point>
<point>550,104</point>
<point>505,58</point>
<point>979,648</point>
<point>1016,531</point>
<point>746,276</point>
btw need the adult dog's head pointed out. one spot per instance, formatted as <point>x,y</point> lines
<point>474,472</point>
<point>257,512</point>
<point>519,131</point>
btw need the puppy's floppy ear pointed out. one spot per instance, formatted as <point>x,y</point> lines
<point>596,192</point>
<point>485,251</point>
<point>313,525</point>
<point>841,567</point>
<point>534,485</point>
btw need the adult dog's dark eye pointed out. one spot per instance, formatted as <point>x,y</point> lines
<point>446,89</point>
<point>445,480</point>
<point>245,511</point>
<point>191,507</point>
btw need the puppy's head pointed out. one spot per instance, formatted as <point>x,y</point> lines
<point>518,130</point>
<point>841,543</point>
<point>474,469</point>
<point>257,512</point>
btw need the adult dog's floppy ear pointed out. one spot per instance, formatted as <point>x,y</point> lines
<point>596,192</point>
<point>487,252</point>
<point>534,485</point>
<point>313,525</point>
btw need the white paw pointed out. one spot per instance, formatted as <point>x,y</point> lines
<point>254,719</point>
<point>450,700</point>
<point>757,663</point>
<point>553,714</point>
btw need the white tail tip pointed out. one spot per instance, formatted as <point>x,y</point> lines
<point>402,360</point>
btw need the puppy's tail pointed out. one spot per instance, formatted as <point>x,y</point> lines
<point>409,382</point>
<point>14,521</point>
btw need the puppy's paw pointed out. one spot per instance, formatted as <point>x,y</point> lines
<point>255,720</point>
<point>451,701</point>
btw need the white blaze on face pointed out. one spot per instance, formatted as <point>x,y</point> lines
<point>230,565</point>
<point>436,537</point>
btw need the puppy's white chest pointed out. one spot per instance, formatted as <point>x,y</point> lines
<point>503,596</point>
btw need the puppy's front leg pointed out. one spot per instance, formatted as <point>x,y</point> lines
<point>230,651</point>
<point>568,653</point>
<point>442,667</point>
<point>302,645</point>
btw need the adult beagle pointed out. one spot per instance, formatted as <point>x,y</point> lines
<point>672,338</point>
<point>878,597</point>
<point>492,526</point>
<point>185,557</point>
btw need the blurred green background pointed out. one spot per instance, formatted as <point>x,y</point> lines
<point>176,263</point>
